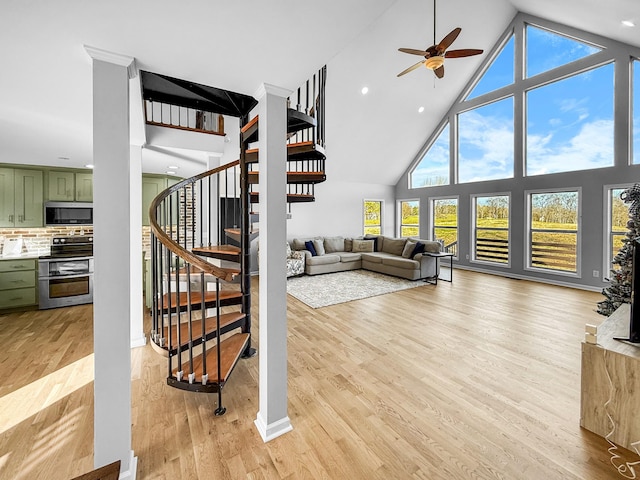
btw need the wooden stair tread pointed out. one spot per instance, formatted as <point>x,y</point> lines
<point>224,252</point>
<point>295,151</point>
<point>230,350</point>
<point>224,296</point>
<point>193,270</point>
<point>291,197</point>
<point>210,326</point>
<point>294,177</point>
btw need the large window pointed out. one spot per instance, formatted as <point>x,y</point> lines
<point>618,216</point>
<point>433,169</point>
<point>500,73</point>
<point>570,123</point>
<point>409,214</point>
<point>372,217</point>
<point>547,50</point>
<point>553,230</point>
<point>491,228</point>
<point>485,142</point>
<point>444,222</point>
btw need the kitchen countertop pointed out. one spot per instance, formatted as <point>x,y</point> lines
<point>26,255</point>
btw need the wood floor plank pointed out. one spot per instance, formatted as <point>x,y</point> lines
<point>475,379</point>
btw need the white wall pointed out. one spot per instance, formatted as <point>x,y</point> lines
<point>338,209</point>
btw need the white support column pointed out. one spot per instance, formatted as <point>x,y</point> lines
<point>272,419</point>
<point>138,338</point>
<point>112,257</point>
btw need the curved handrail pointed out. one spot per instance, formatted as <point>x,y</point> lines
<point>223,273</point>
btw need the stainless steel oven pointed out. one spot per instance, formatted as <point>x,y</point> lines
<point>66,276</point>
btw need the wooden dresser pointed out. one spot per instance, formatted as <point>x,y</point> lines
<point>622,362</point>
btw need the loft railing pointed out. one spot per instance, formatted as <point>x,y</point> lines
<point>310,100</point>
<point>183,118</point>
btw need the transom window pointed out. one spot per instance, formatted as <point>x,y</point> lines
<point>491,228</point>
<point>433,169</point>
<point>570,123</point>
<point>553,230</point>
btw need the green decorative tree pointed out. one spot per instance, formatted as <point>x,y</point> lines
<point>619,291</point>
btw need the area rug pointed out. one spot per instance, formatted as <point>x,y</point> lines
<point>329,289</point>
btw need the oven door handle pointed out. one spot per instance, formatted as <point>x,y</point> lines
<point>75,275</point>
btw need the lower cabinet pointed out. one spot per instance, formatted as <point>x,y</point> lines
<point>18,283</point>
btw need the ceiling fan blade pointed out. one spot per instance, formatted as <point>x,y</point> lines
<point>413,51</point>
<point>448,40</point>
<point>465,52</point>
<point>411,68</point>
<point>439,71</point>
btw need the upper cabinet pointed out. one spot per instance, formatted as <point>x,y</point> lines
<point>21,198</point>
<point>65,186</point>
<point>151,187</point>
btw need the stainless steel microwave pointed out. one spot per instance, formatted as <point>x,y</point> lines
<point>68,213</point>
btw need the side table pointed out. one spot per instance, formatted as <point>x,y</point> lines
<point>438,256</point>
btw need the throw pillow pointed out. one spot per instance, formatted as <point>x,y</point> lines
<point>348,244</point>
<point>334,244</point>
<point>319,244</point>
<point>407,251</point>
<point>288,250</point>
<point>309,246</point>
<point>419,248</point>
<point>363,245</point>
<point>377,242</point>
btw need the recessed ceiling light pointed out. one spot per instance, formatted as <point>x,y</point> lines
<point>171,167</point>
<point>365,90</point>
<point>64,159</point>
<point>88,165</point>
<point>628,23</point>
<point>421,109</point>
<point>170,172</point>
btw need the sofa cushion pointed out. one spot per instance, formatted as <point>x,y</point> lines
<point>349,256</point>
<point>334,244</point>
<point>401,262</point>
<point>308,245</point>
<point>363,245</point>
<point>394,245</point>
<point>323,259</point>
<point>372,257</point>
<point>409,247</point>
<point>319,245</point>
<point>348,244</point>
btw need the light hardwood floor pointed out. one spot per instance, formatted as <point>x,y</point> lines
<point>475,379</point>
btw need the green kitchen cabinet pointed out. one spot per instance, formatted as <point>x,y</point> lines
<point>84,187</point>
<point>151,187</point>
<point>21,198</point>
<point>66,186</point>
<point>18,283</point>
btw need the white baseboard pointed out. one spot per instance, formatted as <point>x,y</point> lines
<point>139,342</point>
<point>273,430</point>
<point>133,468</point>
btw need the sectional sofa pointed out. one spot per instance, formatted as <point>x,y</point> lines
<point>401,257</point>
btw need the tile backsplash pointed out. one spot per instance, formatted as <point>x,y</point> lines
<point>38,240</point>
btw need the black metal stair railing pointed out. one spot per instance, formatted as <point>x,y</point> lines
<point>197,298</point>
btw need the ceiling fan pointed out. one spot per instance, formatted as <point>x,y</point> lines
<point>436,53</point>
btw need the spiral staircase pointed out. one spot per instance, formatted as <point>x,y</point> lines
<point>202,229</point>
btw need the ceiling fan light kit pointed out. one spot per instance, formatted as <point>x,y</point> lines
<point>434,62</point>
<point>436,53</point>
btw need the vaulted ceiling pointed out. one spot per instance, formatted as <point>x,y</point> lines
<point>45,85</point>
